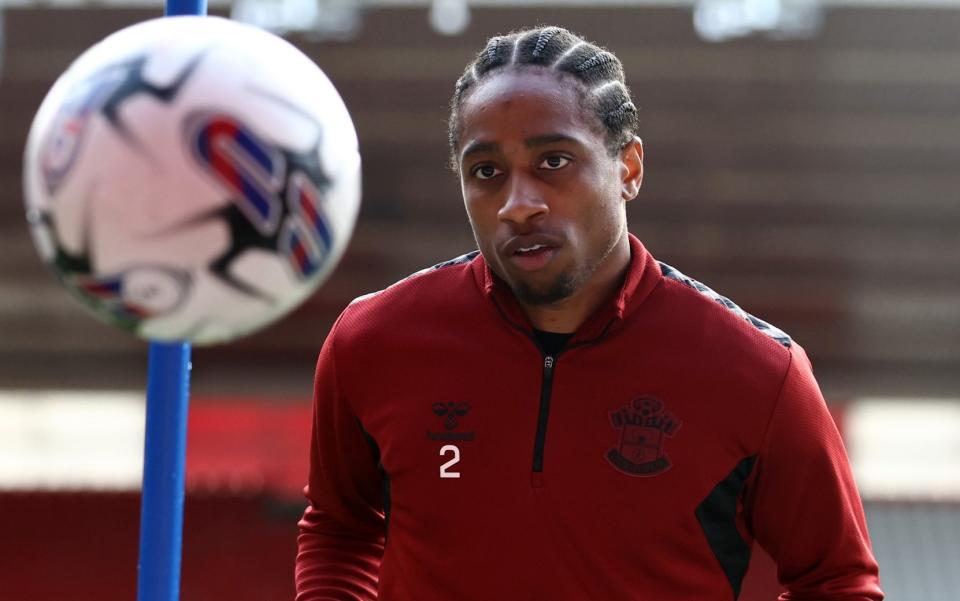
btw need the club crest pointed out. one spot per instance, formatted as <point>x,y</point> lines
<point>644,425</point>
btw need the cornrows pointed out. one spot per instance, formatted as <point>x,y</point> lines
<point>542,38</point>
<point>598,71</point>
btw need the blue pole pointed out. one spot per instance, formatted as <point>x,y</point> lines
<point>161,507</point>
<point>165,447</point>
<point>186,7</point>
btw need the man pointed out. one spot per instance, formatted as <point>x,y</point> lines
<point>558,416</point>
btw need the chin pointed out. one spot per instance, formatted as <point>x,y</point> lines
<point>561,287</point>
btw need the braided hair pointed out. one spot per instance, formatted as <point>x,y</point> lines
<point>599,73</point>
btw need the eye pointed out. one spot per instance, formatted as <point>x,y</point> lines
<point>485,171</point>
<point>554,162</point>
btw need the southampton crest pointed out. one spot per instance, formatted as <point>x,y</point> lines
<point>643,425</point>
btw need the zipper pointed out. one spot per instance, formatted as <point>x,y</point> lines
<point>546,387</point>
<point>549,361</point>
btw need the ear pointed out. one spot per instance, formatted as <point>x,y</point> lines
<point>631,169</point>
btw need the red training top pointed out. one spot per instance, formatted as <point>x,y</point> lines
<point>452,460</point>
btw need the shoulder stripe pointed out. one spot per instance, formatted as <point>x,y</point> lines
<point>470,256</point>
<point>461,260</point>
<point>768,329</point>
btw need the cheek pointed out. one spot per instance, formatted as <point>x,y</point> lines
<point>482,217</point>
<point>473,207</point>
<point>599,213</point>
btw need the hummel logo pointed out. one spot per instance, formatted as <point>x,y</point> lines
<point>451,414</point>
<point>452,411</point>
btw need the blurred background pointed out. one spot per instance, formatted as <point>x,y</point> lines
<point>801,156</point>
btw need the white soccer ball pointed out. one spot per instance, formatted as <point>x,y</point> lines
<point>192,178</point>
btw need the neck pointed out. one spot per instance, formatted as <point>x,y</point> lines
<point>568,314</point>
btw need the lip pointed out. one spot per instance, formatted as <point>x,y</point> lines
<point>514,244</point>
<point>534,260</point>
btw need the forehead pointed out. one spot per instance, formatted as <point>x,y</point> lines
<point>524,102</point>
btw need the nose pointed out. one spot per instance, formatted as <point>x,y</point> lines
<point>523,203</point>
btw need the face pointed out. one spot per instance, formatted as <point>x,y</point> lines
<point>545,198</point>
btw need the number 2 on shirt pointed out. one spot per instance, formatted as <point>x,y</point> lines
<point>444,469</point>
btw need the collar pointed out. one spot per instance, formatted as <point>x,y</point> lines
<point>642,276</point>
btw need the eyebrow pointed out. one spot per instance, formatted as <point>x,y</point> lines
<point>542,140</point>
<point>478,147</point>
<point>549,139</point>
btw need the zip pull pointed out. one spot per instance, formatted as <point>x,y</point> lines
<point>548,363</point>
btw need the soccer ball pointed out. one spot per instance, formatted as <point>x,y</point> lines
<point>192,178</point>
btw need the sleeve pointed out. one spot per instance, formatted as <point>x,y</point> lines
<point>342,530</point>
<point>803,506</point>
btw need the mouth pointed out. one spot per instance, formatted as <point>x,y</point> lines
<point>530,253</point>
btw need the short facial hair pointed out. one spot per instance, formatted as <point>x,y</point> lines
<point>562,287</point>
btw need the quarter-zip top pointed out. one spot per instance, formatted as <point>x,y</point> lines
<point>674,418</point>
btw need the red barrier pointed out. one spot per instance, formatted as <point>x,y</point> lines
<point>248,447</point>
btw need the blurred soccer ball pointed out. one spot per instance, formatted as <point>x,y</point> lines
<point>192,178</point>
